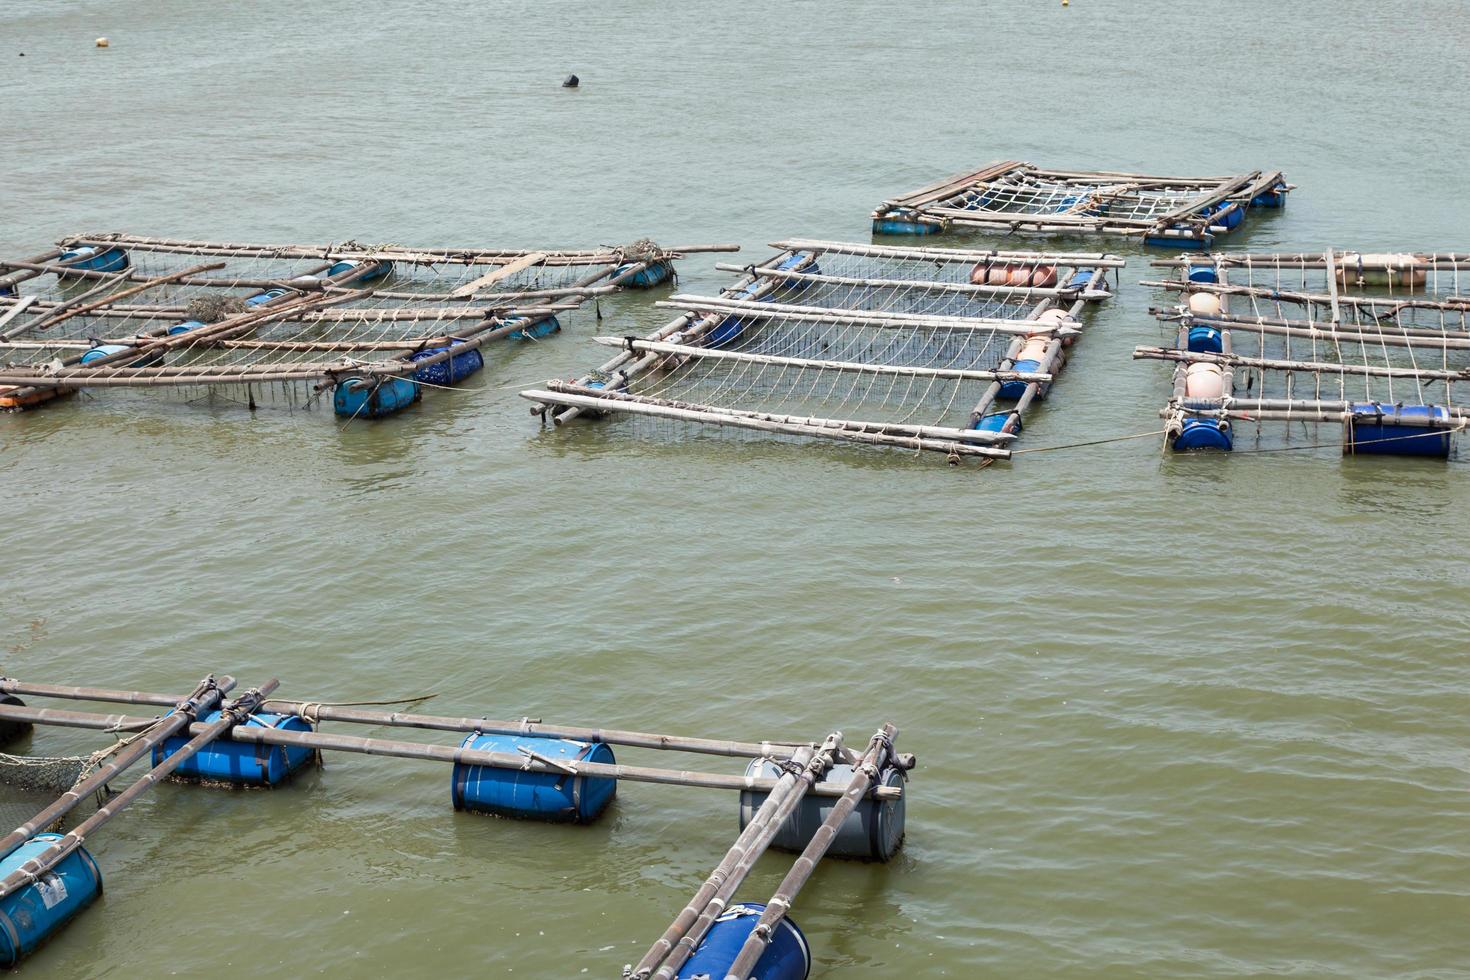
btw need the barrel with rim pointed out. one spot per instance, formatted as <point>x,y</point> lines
<point>873,831</point>
<point>556,797</point>
<point>32,914</point>
<point>242,763</point>
<point>788,957</point>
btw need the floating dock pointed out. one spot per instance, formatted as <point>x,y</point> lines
<point>818,798</point>
<point>1011,196</point>
<point>372,325</point>
<point>918,349</point>
<point>1377,343</point>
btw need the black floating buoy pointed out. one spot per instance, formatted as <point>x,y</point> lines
<point>572,81</point>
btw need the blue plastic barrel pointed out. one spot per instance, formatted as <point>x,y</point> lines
<point>451,370</point>
<point>725,331</point>
<point>1203,273</point>
<point>541,328</point>
<point>7,291</point>
<point>873,831</point>
<point>553,797</point>
<point>1204,434</point>
<point>107,350</point>
<point>368,398</point>
<point>788,957</point>
<point>903,222</point>
<point>1391,430</point>
<point>378,271</point>
<point>184,327</point>
<point>245,763</point>
<point>1273,198</point>
<point>265,297</point>
<point>1225,214</point>
<point>1079,279</point>
<point>792,264</point>
<point>649,275</point>
<point>1206,340</point>
<point>1012,390</point>
<point>32,914</point>
<point>1000,422</point>
<point>92,259</point>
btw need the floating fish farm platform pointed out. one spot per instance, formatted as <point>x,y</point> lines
<point>372,325</point>
<point>917,349</point>
<point>1375,342</point>
<point>1011,196</point>
<point>818,798</point>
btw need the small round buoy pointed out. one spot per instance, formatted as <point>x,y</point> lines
<point>102,42</point>
<point>572,81</point>
<point>1204,304</point>
<point>1204,380</point>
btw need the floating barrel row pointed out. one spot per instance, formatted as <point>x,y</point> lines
<point>1369,427</point>
<point>1042,352</point>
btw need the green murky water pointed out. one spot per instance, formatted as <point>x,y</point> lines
<point>1175,717</point>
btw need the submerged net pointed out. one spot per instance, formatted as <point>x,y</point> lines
<point>868,339</point>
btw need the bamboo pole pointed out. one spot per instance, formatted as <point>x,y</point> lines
<point>853,367</point>
<point>1450,304</point>
<point>395,253</point>
<point>1279,364</point>
<point>906,429</point>
<point>753,840</point>
<point>236,712</point>
<point>726,890</point>
<point>204,697</point>
<point>15,311</point>
<point>925,285</point>
<point>772,311</point>
<point>1304,260</point>
<point>324,741</point>
<point>863,776</point>
<point>872,433</point>
<point>317,711</point>
<point>955,255</point>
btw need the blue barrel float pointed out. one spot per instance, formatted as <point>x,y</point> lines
<point>552,797</point>
<point>451,370</point>
<point>1226,214</point>
<point>904,222</point>
<point>90,258</point>
<point>650,275</point>
<point>999,422</point>
<point>373,398</point>
<point>1398,430</point>
<point>788,957</point>
<point>1204,434</point>
<point>1273,198</point>
<point>242,763</point>
<point>29,916</point>
<point>379,270</point>
<point>1203,273</point>
<point>794,263</point>
<point>184,327</point>
<point>107,350</point>
<point>543,327</point>
<point>1203,339</point>
<point>261,298</point>
<point>873,831</point>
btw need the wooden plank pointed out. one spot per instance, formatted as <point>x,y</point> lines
<point>495,275</point>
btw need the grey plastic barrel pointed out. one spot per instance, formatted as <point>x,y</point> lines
<point>872,832</point>
<point>10,731</point>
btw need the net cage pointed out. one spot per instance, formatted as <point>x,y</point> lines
<point>919,348</point>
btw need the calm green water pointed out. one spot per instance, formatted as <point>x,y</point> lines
<point>1175,717</point>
